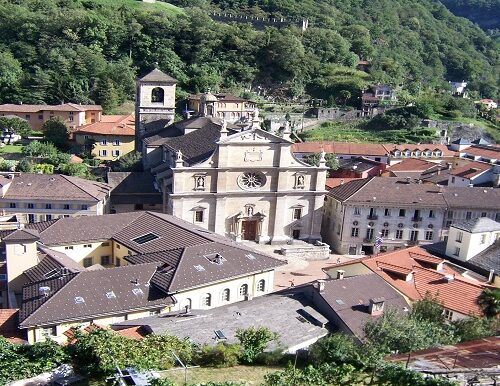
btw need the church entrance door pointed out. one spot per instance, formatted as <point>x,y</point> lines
<point>249,230</point>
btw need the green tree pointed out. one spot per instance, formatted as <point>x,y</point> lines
<point>24,166</point>
<point>16,125</point>
<point>76,170</point>
<point>475,327</point>
<point>335,348</point>
<point>331,160</point>
<point>489,301</point>
<point>254,341</point>
<point>56,132</point>
<point>429,308</point>
<point>130,162</point>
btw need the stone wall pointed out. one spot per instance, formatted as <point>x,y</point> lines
<point>260,22</point>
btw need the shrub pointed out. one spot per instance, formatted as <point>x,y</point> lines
<point>221,355</point>
<point>7,165</point>
<point>39,149</point>
<point>24,166</point>
<point>58,158</point>
<point>254,341</point>
<point>43,168</point>
<point>76,170</point>
<point>335,348</point>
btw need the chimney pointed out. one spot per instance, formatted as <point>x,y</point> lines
<point>376,306</point>
<point>340,274</point>
<point>320,285</point>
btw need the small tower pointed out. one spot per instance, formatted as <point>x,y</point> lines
<point>208,105</point>
<point>155,100</point>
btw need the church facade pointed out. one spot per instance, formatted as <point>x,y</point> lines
<point>238,181</point>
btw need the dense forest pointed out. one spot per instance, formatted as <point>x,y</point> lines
<point>88,51</point>
<point>486,13</point>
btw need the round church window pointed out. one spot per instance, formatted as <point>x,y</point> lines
<point>251,180</point>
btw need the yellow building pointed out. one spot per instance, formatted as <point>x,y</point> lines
<point>224,106</point>
<point>110,138</point>
<point>74,115</point>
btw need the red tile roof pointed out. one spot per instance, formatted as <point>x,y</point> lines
<point>492,152</point>
<point>471,169</point>
<point>458,295</point>
<point>8,326</point>
<point>411,165</point>
<point>333,182</point>
<point>37,108</point>
<point>110,125</point>
<point>136,332</point>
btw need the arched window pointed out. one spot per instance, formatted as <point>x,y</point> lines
<point>225,295</point>
<point>206,300</point>
<point>244,290</point>
<point>261,285</point>
<point>187,304</point>
<point>157,95</point>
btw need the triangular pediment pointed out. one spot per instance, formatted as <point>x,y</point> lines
<point>253,136</point>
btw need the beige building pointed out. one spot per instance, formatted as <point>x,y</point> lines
<point>43,197</point>
<point>243,183</point>
<point>111,268</point>
<point>109,139</point>
<point>469,238</point>
<point>381,214</point>
<point>225,106</point>
<point>74,115</point>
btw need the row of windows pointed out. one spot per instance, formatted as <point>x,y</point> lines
<point>13,205</point>
<point>199,214</point>
<point>103,260</point>
<point>401,213</point>
<point>398,235</point>
<point>225,295</point>
<point>418,153</point>
<point>114,153</point>
<point>469,215</point>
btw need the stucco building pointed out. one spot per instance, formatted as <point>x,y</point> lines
<point>109,139</point>
<point>72,114</point>
<point>241,182</point>
<point>228,107</point>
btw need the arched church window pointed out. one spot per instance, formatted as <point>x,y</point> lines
<point>300,181</point>
<point>199,182</point>
<point>157,95</point>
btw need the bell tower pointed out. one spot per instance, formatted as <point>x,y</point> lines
<point>155,101</point>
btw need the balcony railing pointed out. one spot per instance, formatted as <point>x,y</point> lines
<point>416,219</point>
<point>372,217</point>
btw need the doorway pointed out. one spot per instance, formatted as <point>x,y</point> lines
<point>249,230</point>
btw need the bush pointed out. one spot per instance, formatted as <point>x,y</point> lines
<point>7,165</point>
<point>56,132</point>
<point>130,162</point>
<point>58,158</point>
<point>335,348</point>
<point>254,341</point>
<point>43,168</point>
<point>39,149</point>
<point>76,170</point>
<point>24,166</point>
<point>221,355</point>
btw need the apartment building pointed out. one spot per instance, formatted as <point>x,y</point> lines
<point>74,115</point>
<point>43,197</point>
<point>223,106</point>
<point>109,139</point>
<point>110,268</point>
<point>388,213</point>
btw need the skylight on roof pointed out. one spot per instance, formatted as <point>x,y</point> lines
<point>215,258</point>
<point>199,268</point>
<point>146,238</point>
<point>340,301</point>
<point>79,300</point>
<point>249,256</point>
<point>110,295</point>
<point>137,291</point>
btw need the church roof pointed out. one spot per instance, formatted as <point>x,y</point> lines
<point>157,76</point>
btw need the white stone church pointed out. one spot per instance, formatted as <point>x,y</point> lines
<point>236,180</point>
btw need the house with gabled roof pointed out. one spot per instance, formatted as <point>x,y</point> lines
<point>414,272</point>
<point>36,197</point>
<point>187,267</point>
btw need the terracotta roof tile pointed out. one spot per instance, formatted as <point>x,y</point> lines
<point>110,125</point>
<point>471,170</point>
<point>411,165</point>
<point>492,152</point>
<point>334,182</point>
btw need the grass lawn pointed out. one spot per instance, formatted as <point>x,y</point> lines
<point>158,5</point>
<point>251,375</point>
<point>353,132</point>
<point>9,149</point>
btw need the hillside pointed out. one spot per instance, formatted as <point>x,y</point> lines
<point>92,50</point>
<point>485,13</point>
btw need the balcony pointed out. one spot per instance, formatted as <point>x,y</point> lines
<point>372,241</point>
<point>372,217</point>
<point>416,219</point>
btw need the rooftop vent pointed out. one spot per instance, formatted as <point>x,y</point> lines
<point>199,268</point>
<point>339,301</point>
<point>249,256</point>
<point>79,300</point>
<point>44,291</point>
<point>145,238</point>
<point>110,295</point>
<point>449,278</point>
